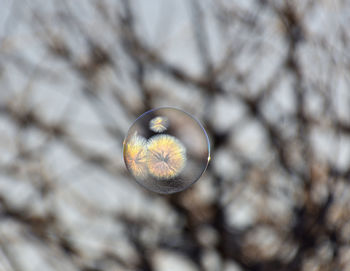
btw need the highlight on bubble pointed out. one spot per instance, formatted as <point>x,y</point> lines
<point>166,156</point>
<point>159,124</point>
<point>135,155</point>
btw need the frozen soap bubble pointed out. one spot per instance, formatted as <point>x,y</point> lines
<point>166,150</point>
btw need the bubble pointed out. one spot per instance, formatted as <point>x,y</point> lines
<point>166,150</point>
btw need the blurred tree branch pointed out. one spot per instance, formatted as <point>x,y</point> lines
<point>269,80</point>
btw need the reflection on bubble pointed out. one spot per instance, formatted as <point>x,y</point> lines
<point>158,124</point>
<point>166,150</point>
<point>166,156</point>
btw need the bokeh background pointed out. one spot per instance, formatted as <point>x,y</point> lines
<point>269,80</point>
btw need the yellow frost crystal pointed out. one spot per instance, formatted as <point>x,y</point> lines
<point>166,156</point>
<point>135,156</point>
<point>158,124</point>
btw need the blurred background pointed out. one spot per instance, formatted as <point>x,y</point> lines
<point>268,79</point>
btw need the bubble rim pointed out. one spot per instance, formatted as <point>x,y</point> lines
<point>191,116</point>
